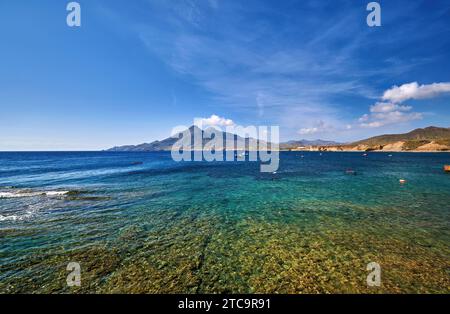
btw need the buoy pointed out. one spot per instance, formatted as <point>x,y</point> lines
<point>402,181</point>
<point>447,168</point>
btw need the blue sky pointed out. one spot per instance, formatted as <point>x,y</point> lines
<point>136,69</point>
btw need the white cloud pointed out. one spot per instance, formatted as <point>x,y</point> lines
<point>308,131</point>
<point>325,129</point>
<point>214,120</point>
<point>319,127</point>
<point>365,117</point>
<point>379,119</point>
<point>385,113</point>
<point>398,94</point>
<point>390,111</point>
<point>374,124</point>
<point>388,107</point>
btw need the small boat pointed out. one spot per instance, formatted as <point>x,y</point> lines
<point>389,155</point>
<point>402,181</point>
<point>365,155</point>
<point>135,163</point>
<point>447,168</point>
<point>351,172</point>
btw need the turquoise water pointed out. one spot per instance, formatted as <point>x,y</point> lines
<point>142,223</point>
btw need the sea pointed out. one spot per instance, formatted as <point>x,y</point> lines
<point>139,222</point>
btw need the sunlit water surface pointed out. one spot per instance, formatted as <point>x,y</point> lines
<point>142,223</point>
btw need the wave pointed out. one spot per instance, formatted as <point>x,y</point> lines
<point>27,215</point>
<point>25,193</point>
<point>28,210</point>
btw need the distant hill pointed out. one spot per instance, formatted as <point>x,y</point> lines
<point>429,139</point>
<point>229,142</point>
<point>428,134</point>
<point>306,143</point>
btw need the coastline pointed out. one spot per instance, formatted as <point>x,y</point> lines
<point>367,151</point>
<point>250,150</point>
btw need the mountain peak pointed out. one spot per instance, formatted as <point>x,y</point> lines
<point>229,142</point>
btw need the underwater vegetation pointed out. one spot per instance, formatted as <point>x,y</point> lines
<point>195,254</point>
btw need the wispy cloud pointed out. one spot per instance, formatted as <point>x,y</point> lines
<point>249,69</point>
<point>259,61</point>
<point>376,120</point>
<point>319,127</point>
<point>388,107</point>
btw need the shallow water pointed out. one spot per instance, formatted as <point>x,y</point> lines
<point>197,227</point>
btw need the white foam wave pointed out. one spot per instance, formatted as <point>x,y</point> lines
<point>56,193</point>
<point>16,194</point>
<point>29,214</point>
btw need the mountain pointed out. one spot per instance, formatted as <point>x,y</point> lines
<point>230,141</point>
<point>427,139</point>
<point>427,134</point>
<point>422,140</point>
